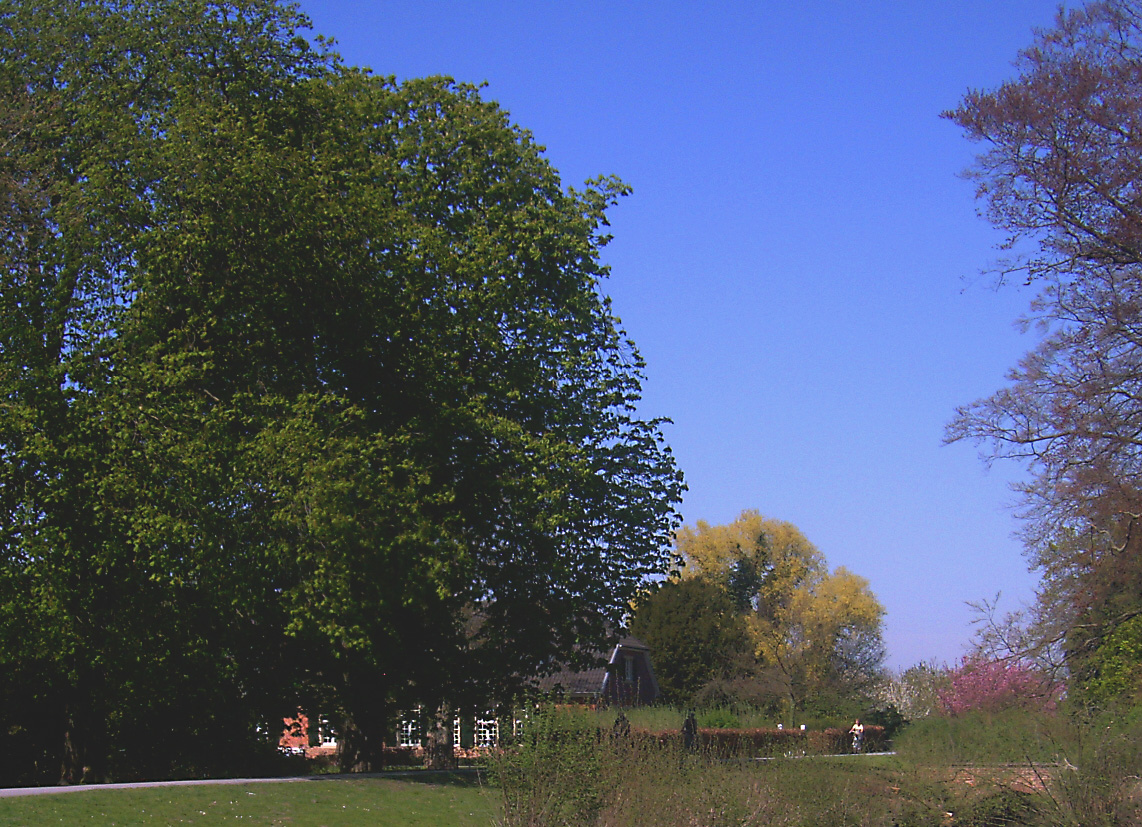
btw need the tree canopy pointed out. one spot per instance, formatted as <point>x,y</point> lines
<point>696,635</point>
<point>1060,174</point>
<point>308,393</point>
<point>812,639</point>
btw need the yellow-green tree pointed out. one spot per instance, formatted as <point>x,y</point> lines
<point>816,635</point>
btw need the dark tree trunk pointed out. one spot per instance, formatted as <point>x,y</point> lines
<point>440,749</point>
<point>83,759</point>
<point>361,743</point>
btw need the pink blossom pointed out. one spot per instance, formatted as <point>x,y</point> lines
<point>993,685</point>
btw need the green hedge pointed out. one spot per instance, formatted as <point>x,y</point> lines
<point>757,742</point>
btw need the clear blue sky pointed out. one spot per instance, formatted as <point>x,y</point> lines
<point>799,260</point>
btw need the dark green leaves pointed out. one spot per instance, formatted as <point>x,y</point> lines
<point>309,390</point>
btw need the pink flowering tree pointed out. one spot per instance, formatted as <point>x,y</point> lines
<point>979,683</point>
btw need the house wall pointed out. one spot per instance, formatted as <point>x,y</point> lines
<point>298,735</point>
<point>633,685</point>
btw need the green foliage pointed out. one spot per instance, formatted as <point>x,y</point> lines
<point>1080,772</point>
<point>719,718</point>
<point>1001,808</point>
<point>1097,781</point>
<point>695,633</point>
<point>308,395</point>
<point>889,718</point>
<point>1112,674</point>
<point>661,718</point>
<point>651,781</point>
<point>559,750</point>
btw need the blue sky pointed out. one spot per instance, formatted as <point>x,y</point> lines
<point>799,262</point>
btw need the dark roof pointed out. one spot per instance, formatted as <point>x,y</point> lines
<point>588,681</point>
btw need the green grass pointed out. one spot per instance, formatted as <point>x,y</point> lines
<point>416,802</point>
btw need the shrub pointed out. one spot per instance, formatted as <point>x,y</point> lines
<point>646,780</point>
<point>758,742</point>
<point>720,717</point>
<point>553,774</point>
<point>1098,783</point>
<point>1001,808</point>
<point>658,718</point>
<point>1114,671</point>
<point>979,684</point>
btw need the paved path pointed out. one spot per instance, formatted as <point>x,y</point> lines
<point>10,792</point>
<point>811,755</point>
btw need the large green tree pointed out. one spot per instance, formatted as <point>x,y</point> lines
<point>1060,175</point>
<point>308,393</point>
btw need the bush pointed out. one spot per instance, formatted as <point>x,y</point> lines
<point>759,743</point>
<point>1003,808</point>
<point>720,717</point>
<point>749,743</point>
<point>571,772</point>
<point>553,774</point>
<point>1098,780</point>
<point>576,776</point>
<point>982,685</point>
<point>889,718</point>
<point>660,718</point>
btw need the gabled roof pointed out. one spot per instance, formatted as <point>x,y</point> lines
<point>591,682</point>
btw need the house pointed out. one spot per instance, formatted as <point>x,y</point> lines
<point>626,679</point>
<point>300,736</point>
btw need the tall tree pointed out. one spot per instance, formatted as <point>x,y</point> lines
<point>815,635</point>
<point>1060,175</point>
<point>696,633</point>
<point>309,393</point>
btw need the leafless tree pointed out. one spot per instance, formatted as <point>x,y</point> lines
<point>1062,175</point>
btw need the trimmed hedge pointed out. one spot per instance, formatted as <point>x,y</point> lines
<point>757,743</point>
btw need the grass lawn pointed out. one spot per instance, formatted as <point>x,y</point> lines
<point>331,801</point>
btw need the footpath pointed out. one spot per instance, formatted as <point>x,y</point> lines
<point>12,792</point>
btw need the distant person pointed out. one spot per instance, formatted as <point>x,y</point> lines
<point>690,732</point>
<point>857,731</point>
<point>621,729</point>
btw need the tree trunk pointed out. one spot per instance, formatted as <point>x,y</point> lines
<point>440,749</point>
<point>361,742</point>
<point>84,736</point>
<point>71,764</point>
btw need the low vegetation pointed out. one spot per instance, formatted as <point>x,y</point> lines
<point>1003,768</point>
